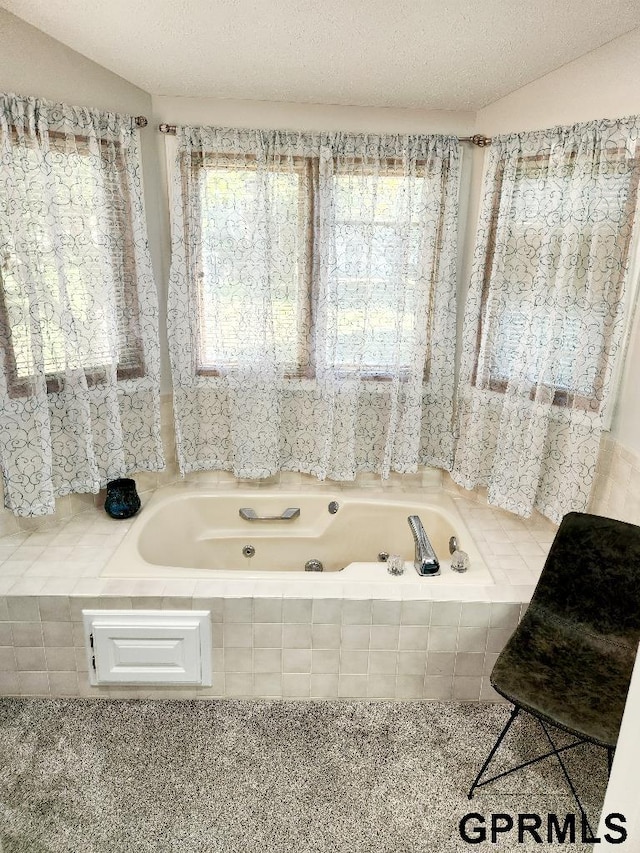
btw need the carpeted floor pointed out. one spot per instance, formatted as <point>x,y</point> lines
<point>98,776</point>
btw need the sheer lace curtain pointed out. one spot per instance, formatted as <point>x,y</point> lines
<point>312,301</point>
<point>79,385</point>
<point>544,314</point>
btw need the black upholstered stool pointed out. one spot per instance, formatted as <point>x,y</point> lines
<point>569,661</point>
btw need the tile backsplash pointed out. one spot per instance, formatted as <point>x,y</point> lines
<point>616,491</point>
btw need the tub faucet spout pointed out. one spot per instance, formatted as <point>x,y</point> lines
<point>426,562</point>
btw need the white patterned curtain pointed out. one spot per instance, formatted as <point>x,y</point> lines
<point>79,385</point>
<point>544,314</point>
<point>312,301</point>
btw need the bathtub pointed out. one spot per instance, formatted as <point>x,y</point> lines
<point>205,532</point>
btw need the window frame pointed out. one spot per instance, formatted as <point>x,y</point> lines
<point>307,168</point>
<point>20,385</point>
<point>191,162</point>
<point>562,397</point>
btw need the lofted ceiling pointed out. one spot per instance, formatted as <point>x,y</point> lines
<point>428,54</point>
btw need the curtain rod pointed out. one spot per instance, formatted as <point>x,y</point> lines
<point>141,121</point>
<point>477,139</point>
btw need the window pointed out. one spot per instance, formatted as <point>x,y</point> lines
<point>555,284</point>
<point>68,279</point>
<point>256,240</point>
<point>379,254</point>
<point>231,300</point>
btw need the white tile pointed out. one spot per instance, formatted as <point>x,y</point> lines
<point>267,609</point>
<point>415,612</point>
<point>356,612</point>
<point>24,586</point>
<point>355,636</point>
<point>57,634</point>
<point>352,686</point>
<point>296,610</point>
<point>267,635</point>
<point>381,686</point>
<point>33,683</point>
<point>354,661</point>
<point>466,689</point>
<point>323,686</point>
<point>52,568</point>
<point>13,568</point>
<point>384,637</point>
<point>239,684</point>
<point>61,659</point>
<point>472,639</point>
<point>296,636</point>
<point>296,660</point>
<point>238,659</point>
<point>325,636</point>
<point>27,553</point>
<point>383,662</point>
<point>296,685</point>
<point>445,613</point>
<point>267,660</point>
<point>325,661</point>
<point>438,687</point>
<point>237,634</point>
<point>475,614</point>
<point>83,586</point>
<point>443,638</point>
<point>179,588</point>
<point>386,612</point>
<point>409,687</point>
<point>413,638</point>
<point>412,663</point>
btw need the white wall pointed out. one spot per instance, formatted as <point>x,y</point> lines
<point>601,84</point>
<point>622,791</point>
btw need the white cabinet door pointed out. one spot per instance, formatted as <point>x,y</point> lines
<point>148,646</point>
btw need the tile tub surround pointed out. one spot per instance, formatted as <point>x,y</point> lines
<point>351,643</point>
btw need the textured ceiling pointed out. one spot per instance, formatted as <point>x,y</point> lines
<point>430,54</point>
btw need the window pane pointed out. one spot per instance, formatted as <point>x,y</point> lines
<point>253,265</point>
<point>378,242</point>
<point>565,238</point>
<point>71,281</point>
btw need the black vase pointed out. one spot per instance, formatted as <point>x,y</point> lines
<point>122,499</point>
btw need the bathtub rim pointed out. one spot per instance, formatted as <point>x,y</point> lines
<point>356,580</point>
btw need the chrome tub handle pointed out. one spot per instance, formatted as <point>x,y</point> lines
<point>287,515</point>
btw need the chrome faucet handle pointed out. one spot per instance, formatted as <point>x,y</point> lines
<point>460,561</point>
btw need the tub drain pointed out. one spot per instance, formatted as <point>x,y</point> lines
<point>248,550</point>
<point>313,566</point>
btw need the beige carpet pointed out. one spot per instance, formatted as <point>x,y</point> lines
<point>275,777</point>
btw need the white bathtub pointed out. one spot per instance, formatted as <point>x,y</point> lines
<point>196,531</point>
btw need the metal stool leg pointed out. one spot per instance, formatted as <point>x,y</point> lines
<point>514,714</point>
<point>556,752</point>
